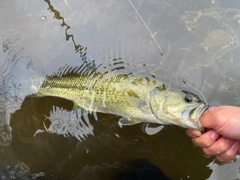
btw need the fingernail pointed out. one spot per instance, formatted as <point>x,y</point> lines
<point>235,145</point>
<point>230,141</point>
<point>214,135</point>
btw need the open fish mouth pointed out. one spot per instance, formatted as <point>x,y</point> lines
<point>195,119</point>
<point>200,109</point>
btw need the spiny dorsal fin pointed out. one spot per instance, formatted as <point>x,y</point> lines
<point>86,69</point>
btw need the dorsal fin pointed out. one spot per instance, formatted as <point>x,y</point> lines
<point>89,68</point>
<point>86,69</point>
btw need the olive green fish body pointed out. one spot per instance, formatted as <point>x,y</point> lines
<point>120,94</point>
<point>135,98</point>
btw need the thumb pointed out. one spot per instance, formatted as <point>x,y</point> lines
<point>207,119</point>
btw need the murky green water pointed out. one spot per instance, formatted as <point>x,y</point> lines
<point>65,158</point>
<point>200,44</point>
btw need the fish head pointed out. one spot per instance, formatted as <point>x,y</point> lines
<point>175,106</point>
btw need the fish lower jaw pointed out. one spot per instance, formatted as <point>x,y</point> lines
<point>186,123</point>
<point>194,124</point>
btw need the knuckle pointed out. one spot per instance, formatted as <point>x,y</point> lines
<point>224,158</point>
<point>227,156</point>
<point>203,144</point>
<point>217,148</point>
<point>223,146</point>
<point>198,143</point>
<point>211,152</point>
<point>207,151</point>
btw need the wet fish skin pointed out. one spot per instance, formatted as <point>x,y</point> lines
<point>135,98</point>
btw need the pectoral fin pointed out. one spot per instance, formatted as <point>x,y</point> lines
<point>134,100</point>
<point>126,121</point>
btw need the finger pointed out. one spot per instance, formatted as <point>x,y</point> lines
<point>238,152</point>
<point>207,116</point>
<point>219,147</point>
<point>230,153</point>
<point>206,139</point>
<point>193,133</point>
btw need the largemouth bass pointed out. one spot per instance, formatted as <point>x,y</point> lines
<point>135,98</point>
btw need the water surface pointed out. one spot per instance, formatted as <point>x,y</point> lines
<point>200,44</point>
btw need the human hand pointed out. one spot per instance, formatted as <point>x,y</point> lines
<point>222,138</point>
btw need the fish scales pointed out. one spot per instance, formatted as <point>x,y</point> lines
<point>102,92</point>
<point>135,98</point>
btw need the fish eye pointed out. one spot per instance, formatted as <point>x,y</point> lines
<point>188,98</point>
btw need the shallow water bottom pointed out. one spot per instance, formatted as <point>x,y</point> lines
<point>108,153</point>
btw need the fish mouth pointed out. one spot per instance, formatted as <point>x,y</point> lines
<point>195,120</point>
<point>200,109</point>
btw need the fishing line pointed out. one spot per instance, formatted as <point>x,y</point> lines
<point>160,49</point>
<point>152,36</point>
<point>146,27</point>
<point>197,91</point>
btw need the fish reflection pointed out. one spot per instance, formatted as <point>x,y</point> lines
<point>67,123</point>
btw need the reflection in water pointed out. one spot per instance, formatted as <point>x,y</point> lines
<point>200,42</point>
<point>152,130</point>
<point>216,45</point>
<point>75,123</point>
<point>230,170</point>
<point>78,48</point>
<point>10,88</point>
<point>19,172</point>
<point>5,134</point>
<point>140,169</point>
<point>222,27</point>
<point>146,27</point>
<point>14,87</point>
